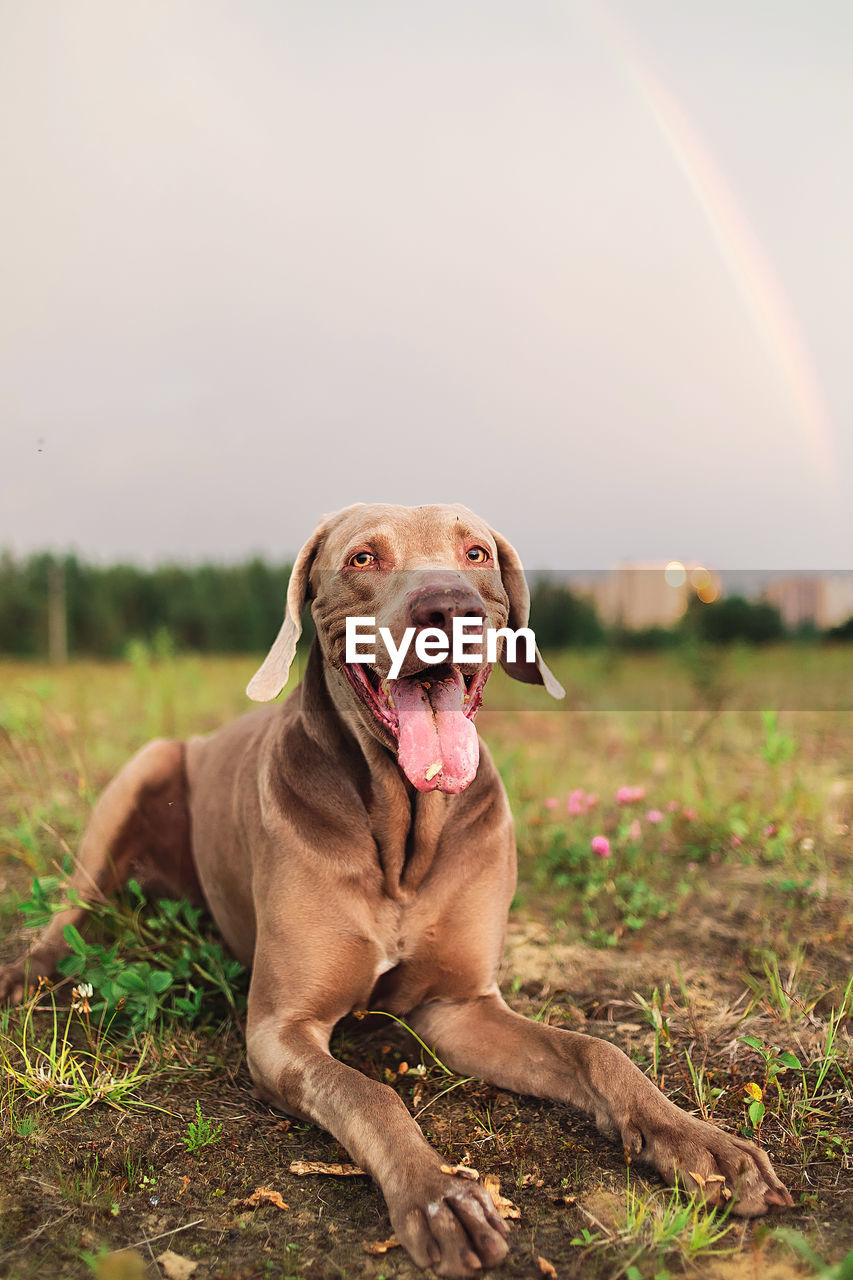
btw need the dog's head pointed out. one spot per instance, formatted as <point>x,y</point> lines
<point>417,572</point>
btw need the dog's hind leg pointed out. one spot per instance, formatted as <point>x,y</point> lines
<point>140,828</point>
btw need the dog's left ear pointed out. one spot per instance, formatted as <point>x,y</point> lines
<point>515,585</point>
<point>271,677</point>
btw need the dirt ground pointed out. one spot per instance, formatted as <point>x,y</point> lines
<point>102,1181</point>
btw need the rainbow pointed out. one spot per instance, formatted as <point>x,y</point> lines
<point>749,267</point>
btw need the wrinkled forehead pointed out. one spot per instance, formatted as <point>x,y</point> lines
<point>402,536</point>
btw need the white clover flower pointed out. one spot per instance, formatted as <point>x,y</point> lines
<point>80,997</point>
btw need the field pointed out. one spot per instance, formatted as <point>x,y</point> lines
<point>711,937</point>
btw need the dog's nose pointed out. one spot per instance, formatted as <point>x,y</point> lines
<point>434,605</point>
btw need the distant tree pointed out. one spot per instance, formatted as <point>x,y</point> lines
<point>210,608</point>
<point>23,601</point>
<point>645,639</point>
<point>844,631</point>
<point>734,619</point>
<point>562,619</point>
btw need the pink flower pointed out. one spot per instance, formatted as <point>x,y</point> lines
<point>736,840</point>
<point>630,795</point>
<point>551,802</point>
<point>689,814</point>
<point>673,806</point>
<point>577,801</point>
<point>601,846</point>
<point>654,815</point>
<point>771,829</point>
<point>635,831</point>
<point>581,801</point>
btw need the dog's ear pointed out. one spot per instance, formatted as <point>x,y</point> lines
<point>271,677</point>
<point>515,585</point>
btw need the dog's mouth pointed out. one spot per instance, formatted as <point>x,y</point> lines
<point>430,715</point>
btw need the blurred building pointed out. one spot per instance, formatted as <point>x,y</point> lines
<point>823,600</point>
<point>650,594</point>
<point>644,594</point>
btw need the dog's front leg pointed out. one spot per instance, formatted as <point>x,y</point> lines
<point>483,1037</point>
<point>445,1222</point>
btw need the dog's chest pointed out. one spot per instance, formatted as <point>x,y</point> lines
<point>424,957</point>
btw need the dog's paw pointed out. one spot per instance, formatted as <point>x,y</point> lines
<point>451,1225</point>
<point>718,1166</point>
<point>12,983</point>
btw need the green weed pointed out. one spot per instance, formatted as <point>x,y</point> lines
<point>809,1105</point>
<point>158,967</point>
<point>610,897</point>
<point>778,747</point>
<point>201,1132</point>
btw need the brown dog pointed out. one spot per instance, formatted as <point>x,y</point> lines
<point>355,852</point>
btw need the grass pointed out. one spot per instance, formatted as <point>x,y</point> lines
<point>714,944</point>
<point>48,1068</point>
<point>664,1224</point>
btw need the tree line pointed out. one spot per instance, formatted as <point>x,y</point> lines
<point>215,608</point>
<point>206,608</point>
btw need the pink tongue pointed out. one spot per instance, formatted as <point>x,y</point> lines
<point>439,748</point>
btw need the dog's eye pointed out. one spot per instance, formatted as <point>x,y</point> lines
<point>362,560</point>
<point>477,555</point>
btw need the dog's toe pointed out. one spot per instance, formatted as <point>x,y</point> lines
<point>454,1228</point>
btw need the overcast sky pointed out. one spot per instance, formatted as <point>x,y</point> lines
<point>588,270</point>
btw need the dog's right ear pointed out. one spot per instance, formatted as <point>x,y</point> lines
<point>512,576</point>
<point>271,677</point>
